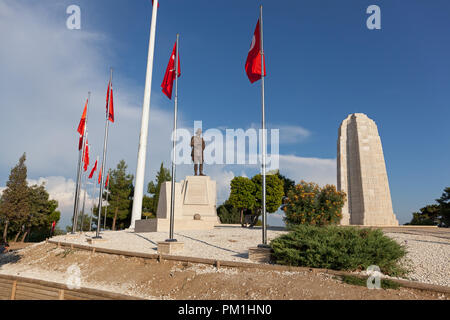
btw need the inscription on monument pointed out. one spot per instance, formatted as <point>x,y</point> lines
<point>196,193</point>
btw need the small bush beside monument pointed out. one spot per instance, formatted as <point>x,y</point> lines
<point>339,248</point>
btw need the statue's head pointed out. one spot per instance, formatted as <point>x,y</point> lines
<point>198,132</point>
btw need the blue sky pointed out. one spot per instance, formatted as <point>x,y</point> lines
<point>322,64</point>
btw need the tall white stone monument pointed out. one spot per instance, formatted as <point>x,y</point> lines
<point>361,174</point>
<point>195,206</point>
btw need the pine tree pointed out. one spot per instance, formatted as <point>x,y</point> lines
<point>444,206</point>
<point>15,204</point>
<point>120,196</point>
<point>42,213</point>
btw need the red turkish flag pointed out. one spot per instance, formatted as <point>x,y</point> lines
<point>110,102</point>
<point>167,84</point>
<point>93,170</point>
<point>80,143</point>
<point>82,120</point>
<point>253,63</point>
<point>86,156</point>
<point>107,179</point>
<point>53,226</point>
<point>100,176</point>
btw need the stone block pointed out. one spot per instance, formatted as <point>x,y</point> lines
<point>93,241</point>
<point>260,255</point>
<point>170,247</point>
<point>146,225</point>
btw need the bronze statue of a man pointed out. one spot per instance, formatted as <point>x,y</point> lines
<point>198,145</point>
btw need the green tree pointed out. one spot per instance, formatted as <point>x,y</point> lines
<point>147,207</point>
<point>228,214</point>
<point>274,193</point>
<point>120,197</point>
<point>428,216</point>
<point>242,195</point>
<point>444,207</point>
<point>288,184</point>
<point>15,204</point>
<point>42,213</point>
<point>154,188</point>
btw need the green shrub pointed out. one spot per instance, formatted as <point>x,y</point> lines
<point>339,248</point>
<point>309,204</point>
<point>228,214</point>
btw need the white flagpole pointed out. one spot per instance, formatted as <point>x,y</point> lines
<point>84,196</point>
<point>172,193</point>
<point>107,204</point>
<point>80,161</point>
<point>264,213</point>
<point>93,202</point>
<point>103,166</point>
<point>140,168</point>
<point>75,205</point>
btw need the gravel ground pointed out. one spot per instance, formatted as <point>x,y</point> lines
<point>428,253</point>
<point>230,243</point>
<point>428,257</point>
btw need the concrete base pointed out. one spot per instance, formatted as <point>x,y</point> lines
<point>168,247</point>
<point>92,241</point>
<point>76,235</point>
<point>261,255</point>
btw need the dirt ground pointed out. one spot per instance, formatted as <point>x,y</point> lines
<point>151,279</point>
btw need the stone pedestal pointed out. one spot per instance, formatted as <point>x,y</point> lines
<point>261,255</point>
<point>195,206</point>
<point>169,247</point>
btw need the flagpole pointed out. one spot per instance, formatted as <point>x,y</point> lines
<point>106,206</point>
<point>75,205</point>
<point>85,176</point>
<point>84,200</point>
<point>140,168</point>
<point>105,145</point>
<point>93,202</point>
<point>172,193</point>
<point>80,158</point>
<point>264,213</point>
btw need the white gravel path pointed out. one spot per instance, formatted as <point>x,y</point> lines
<point>226,242</point>
<point>428,255</point>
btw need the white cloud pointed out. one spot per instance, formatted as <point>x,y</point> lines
<point>289,134</point>
<point>292,134</point>
<point>321,171</point>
